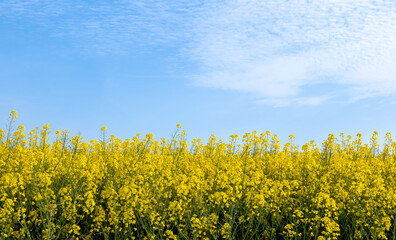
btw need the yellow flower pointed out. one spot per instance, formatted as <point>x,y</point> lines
<point>147,189</point>
<point>13,115</point>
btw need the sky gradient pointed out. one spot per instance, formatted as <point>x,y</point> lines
<point>307,68</point>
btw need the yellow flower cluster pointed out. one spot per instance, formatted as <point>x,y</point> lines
<point>249,188</point>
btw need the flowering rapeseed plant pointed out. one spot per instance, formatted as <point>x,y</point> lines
<point>140,188</point>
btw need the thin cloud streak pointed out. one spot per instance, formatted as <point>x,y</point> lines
<point>117,27</point>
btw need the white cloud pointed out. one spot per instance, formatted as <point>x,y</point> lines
<point>105,27</point>
<point>275,49</point>
<point>278,77</point>
<point>299,101</point>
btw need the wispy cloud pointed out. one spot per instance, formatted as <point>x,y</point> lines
<point>275,49</point>
<point>106,27</point>
<point>272,49</point>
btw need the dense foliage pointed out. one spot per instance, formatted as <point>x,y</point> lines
<point>139,188</point>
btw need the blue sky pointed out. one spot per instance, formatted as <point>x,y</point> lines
<point>307,68</point>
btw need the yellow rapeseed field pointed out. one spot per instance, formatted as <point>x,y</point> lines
<point>246,188</point>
